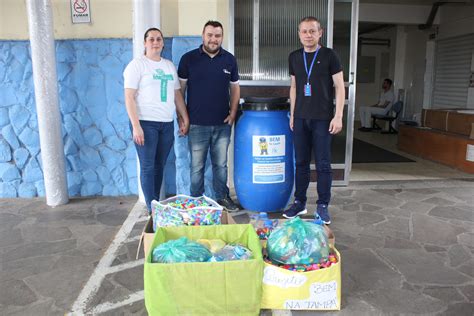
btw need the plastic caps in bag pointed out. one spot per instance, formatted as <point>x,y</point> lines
<point>180,250</point>
<point>213,245</point>
<point>298,242</point>
<point>232,252</point>
<point>263,225</point>
<point>186,210</point>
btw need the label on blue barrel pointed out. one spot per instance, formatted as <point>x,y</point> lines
<point>268,158</point>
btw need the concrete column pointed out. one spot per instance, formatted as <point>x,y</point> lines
<point>40,22</point>
<point>429,75</point>
<point>400,56</point>
<point>146,14</point>
<point>470,90</point>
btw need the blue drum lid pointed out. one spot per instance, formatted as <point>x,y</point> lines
<point>265,104</point>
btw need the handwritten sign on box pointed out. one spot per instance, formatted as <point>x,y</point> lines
<point>312,290</point>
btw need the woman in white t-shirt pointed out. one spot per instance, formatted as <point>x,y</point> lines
<point>152,95</point>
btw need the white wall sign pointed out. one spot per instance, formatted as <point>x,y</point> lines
<point>470,153</point>
<point>268,158</point>
<point>80,11</point>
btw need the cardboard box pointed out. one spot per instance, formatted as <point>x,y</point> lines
<point>205,288</point>
<point>148,234</point>
<point>313,290</point>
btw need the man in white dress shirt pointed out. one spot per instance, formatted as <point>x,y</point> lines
<point>387,98</point>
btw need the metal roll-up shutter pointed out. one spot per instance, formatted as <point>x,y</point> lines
<point>452,71</point>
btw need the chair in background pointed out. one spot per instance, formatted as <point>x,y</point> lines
<point>391,116</point>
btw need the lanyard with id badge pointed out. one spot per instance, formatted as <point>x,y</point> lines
<point>307,86</point>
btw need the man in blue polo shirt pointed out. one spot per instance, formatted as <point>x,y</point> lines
<point>207,73</point>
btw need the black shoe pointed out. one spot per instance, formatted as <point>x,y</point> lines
<point>228,204</point>
<point>365,129</point>
<point>297,208</point>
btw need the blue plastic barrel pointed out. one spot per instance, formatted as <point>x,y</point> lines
<point>263,155</point>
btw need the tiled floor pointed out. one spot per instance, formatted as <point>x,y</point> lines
<point>47,254</point>
<point>407,247</point>
<point>405,232</point>
<point>421,169</point>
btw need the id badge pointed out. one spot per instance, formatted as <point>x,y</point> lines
<point>307,90</point>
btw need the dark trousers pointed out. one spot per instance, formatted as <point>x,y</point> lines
<point>159,138</point>
<point>312,135</point>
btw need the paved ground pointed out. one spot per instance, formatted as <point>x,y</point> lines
<point>47,254</point>
<point>407,248</point>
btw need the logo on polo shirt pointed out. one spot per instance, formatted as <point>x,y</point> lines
<point>226,71</point>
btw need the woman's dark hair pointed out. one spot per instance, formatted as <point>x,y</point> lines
<point>151,29</point>
<point>148,31</point>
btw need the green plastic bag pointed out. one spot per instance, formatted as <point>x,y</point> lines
<point>180,250</point>
<point>205,288</point>
<point>298,242</point>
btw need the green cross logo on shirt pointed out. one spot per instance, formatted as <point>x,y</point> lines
<point>160,75</point>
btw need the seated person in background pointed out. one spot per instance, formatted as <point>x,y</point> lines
<point>387,98</point>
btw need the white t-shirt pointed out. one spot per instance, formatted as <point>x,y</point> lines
<point>155,83</point>
<point>387,96</point>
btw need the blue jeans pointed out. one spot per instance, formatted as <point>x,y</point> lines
<point>201,140</point>
<point>159,138</point>
<point>311,135</point>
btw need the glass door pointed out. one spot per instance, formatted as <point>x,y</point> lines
<point>260,28</point>
<point>344,42</point>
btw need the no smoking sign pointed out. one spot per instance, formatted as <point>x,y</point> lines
<point>80,11</point>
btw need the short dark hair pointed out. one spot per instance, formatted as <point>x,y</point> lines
<point>389,81</point>
<point>213,24</point>
<point>309,19</point>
